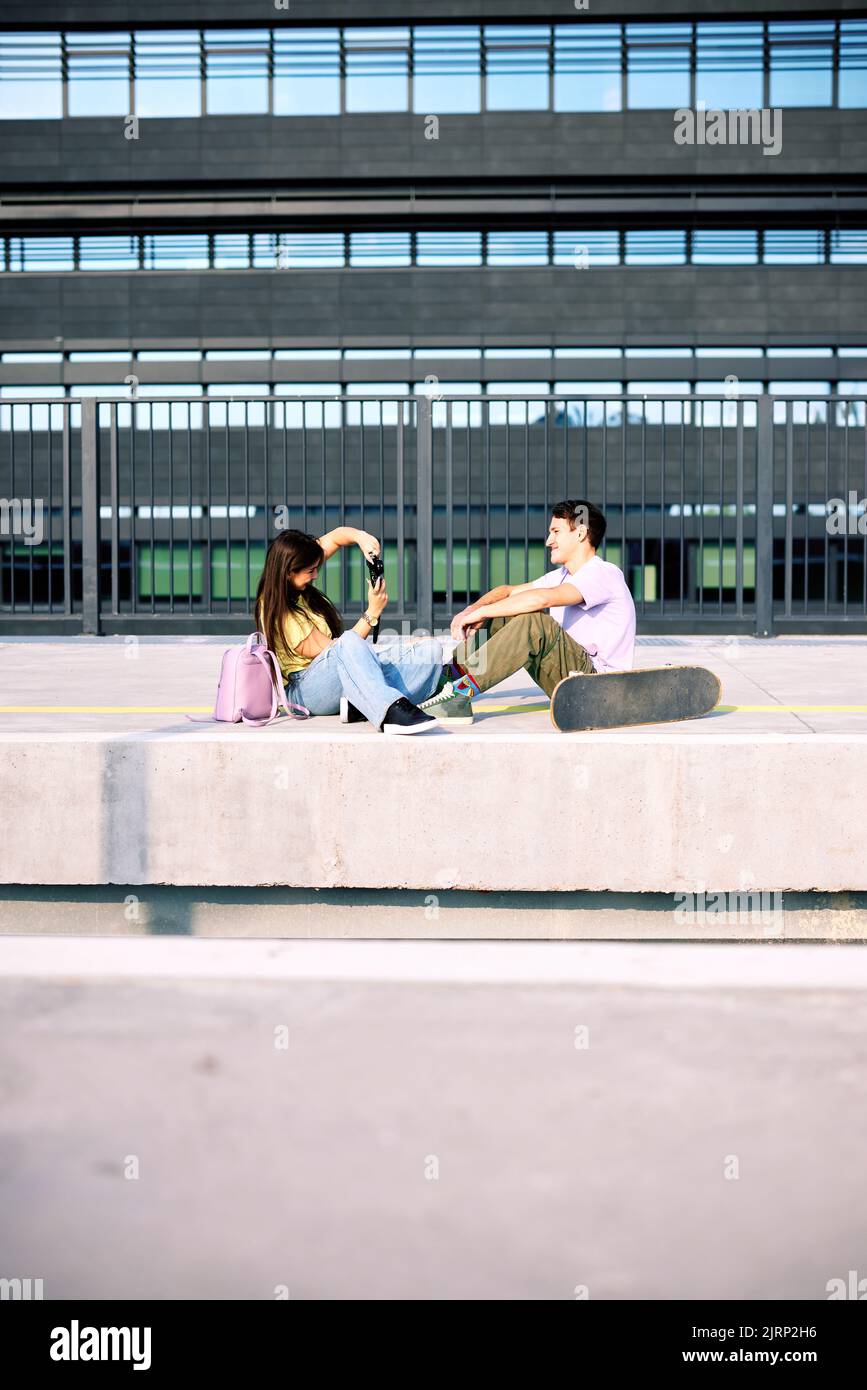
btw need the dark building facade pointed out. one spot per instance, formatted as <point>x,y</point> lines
<point>525,200</point>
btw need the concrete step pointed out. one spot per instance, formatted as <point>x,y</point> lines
<point>764,794</point>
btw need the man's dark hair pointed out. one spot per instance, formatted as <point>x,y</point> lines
<point>582,513</point>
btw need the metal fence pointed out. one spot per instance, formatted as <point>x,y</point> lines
<point>746,514</point>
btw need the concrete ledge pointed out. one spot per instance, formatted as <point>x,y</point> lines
<point>765,794</point>
<point>503,813</point>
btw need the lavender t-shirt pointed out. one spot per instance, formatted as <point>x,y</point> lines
<point>604,623</point>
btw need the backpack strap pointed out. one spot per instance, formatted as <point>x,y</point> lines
<point>288,706</point>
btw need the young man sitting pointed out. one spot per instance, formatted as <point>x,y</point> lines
<point>589,628</point>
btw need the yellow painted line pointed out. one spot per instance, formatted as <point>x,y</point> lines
<point>106,709</point>
<point>720,709</point>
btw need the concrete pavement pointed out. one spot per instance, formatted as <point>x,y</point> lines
<point>662,1122</point>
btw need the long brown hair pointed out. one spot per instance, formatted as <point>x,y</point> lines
<point>276,595</point>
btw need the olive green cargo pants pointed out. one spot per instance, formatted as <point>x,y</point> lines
<point>533,642</point>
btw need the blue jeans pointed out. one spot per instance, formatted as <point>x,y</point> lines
<point>371,678</point>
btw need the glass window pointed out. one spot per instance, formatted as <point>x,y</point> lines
<point>182,252</point>
<point>232,251</point>
<point>307,354</point>
<point>657,352</point>
<point>518,248</point>
<point>379,249</point>
<point>236,70</point>
<point>518,388</point>
<point>30,81</point>
<point>801,63</point>
<point>658,62</point>
<point>26,393</point>
<point>848,246</point>
<point>298,250</point>
<point>446,69</point>
<point>852,351</point>
<point>28,417</point>
<point>109,253</point>
<point>584,402</point>
<point>168,79</point>
<point>307,388</point>
<point>729,352</point>
<point>46,253</point>
<point>729,67</point>
<point>448,248</point>
<point>99,74</point>
<point>654,412</point>
<point>449,388</point>
<point>375,354</point>
<point>158,414</point>
<point>238,355</point>
<point>31,356</point>
<point>799,388</point>
<point>655,248</point>
<point>852,90</point>
<point>377,388</point>
<point>587,63</point>
<point>240,412</point>
<point>583,249</point>
<point>588,352</point>
<point>374,412</point>
<point>517,59</point>
<point>719,388</point>
<point>238,388</point>
<point>500,353</point>
<point>467,353</point>
<point>377,69</point>
<point>784,247</point>
<point>725,248</point>
<point>103,356</point>
<point>307,72</point>
<point>172,355</point>
<point>712,414</point>
<point>850,412</point>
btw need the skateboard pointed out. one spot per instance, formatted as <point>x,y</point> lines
<point>656,695</point>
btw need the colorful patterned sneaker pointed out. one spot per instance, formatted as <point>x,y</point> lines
<point>450,705</point>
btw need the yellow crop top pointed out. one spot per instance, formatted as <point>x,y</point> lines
<point>297,627</point>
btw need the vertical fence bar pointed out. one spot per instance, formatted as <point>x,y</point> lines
<point>450,501</point>
<point>699,405</point>
<point>807,515</point>
<point>643,504</point>
<point>31,502</point>
<point>424,513</point>
<point>67,511</point>
<point>827,496</point>
<point>469,457</point>
<point>170,441</point>
<point>662,406</point>
<point>89,516</point>
<point>739,510</point>
<point>400,502</point>
<point>12,410</point>
<point>846,495</point>
<point>683,406</point>
<point>115,520</point>
<point>765,517</point>
<point>790,504</point>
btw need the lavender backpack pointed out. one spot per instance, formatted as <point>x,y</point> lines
<point>246,691</point>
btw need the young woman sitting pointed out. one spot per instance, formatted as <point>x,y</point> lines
<point>330,670</point>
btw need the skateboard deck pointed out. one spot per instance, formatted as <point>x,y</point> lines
<point>657,695</point>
